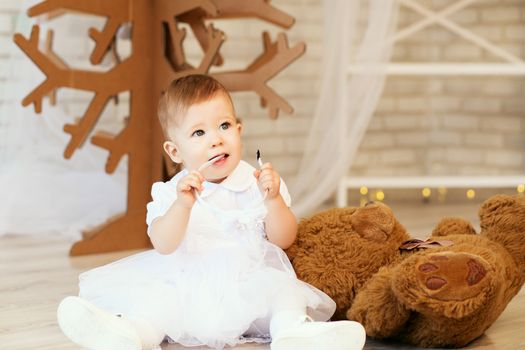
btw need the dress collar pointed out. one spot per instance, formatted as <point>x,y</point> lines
<point>239,180</point>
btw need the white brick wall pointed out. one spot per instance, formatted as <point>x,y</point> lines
<point>483,139</point>
<point>445,138</point>
<point>502,14</point>
<point>423,125</point>
<point>470,125</point>
<point>6,23</point>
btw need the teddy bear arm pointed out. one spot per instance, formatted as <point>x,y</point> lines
<point>377,308</point>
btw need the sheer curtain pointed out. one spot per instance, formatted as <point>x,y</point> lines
<point>346,103</point>
<point>41,192</point>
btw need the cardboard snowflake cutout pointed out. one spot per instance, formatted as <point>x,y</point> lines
<point>157,58</point>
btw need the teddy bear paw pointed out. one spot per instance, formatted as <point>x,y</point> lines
<point>446,276</point>
<point>451,284</point>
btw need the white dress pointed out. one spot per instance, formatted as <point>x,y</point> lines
<point>223,276</point>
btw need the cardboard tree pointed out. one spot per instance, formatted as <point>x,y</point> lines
<point>157,58</point>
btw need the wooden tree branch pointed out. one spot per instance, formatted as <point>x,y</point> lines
<point>275,57</point>
<point>234,9</point>
<point>177,37</point>
<point>116,145</point>
<point>55,59</point>
<point>271,100</point>
<point>198,27</point>
<point>104,39</point>
<point>215,40</point>
<point>58,75</point>
<point>117,60</point>
<point>94,7</point>
<point>54,74</point>
<point>116,11</point>
<point>254,8</point>
<point>168,11</point>
<point>80,131</point>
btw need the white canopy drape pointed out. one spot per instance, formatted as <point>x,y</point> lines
<point>346,104</point>
<point>40,191</point>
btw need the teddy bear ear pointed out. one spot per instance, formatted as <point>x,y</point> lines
<point>502,212</point>
<point>375,222</point>
<point>453,226</point>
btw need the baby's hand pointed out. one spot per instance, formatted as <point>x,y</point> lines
<point>186,186</point>
<point>268,180</point>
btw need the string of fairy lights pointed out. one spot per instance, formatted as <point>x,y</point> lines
<point>426,193</point>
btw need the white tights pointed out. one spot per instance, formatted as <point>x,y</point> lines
<point>287,310</point>
<point>149,335</point>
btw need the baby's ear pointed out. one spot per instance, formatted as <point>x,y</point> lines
<point>171,149</point>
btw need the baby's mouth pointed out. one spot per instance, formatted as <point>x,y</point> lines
<point>218,157</point>
<point>213,160</point>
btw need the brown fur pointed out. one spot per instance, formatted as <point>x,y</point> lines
<point>439,297</point>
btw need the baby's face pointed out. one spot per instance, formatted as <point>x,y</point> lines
<point>206,130</point>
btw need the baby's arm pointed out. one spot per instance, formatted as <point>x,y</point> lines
<point>280,222</point>
<point>167,231</point>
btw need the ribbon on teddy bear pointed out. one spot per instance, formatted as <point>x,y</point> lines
<point>412,244</point>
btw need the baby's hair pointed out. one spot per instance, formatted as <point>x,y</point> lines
<point>183,93</point>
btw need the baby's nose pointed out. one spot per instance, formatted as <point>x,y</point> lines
<point>216,139</point>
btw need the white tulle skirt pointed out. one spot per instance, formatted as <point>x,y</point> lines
<point>203,298</point>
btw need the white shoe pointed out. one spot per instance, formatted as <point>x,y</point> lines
<point>338,335</point>
<point>95,329</point>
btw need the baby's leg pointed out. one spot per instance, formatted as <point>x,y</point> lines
<point>291,328</point>
<point>94,328</point>
<point>288,309</point>
<point>150,336</point>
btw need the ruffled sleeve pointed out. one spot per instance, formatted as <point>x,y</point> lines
<point>163,195</point>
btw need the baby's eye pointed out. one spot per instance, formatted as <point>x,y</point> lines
<point>225,125</point>
<point>198,133</point>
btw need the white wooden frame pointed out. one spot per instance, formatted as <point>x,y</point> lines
<point>512,66</point>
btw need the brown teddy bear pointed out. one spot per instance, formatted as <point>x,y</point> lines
<point>443,292</point>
